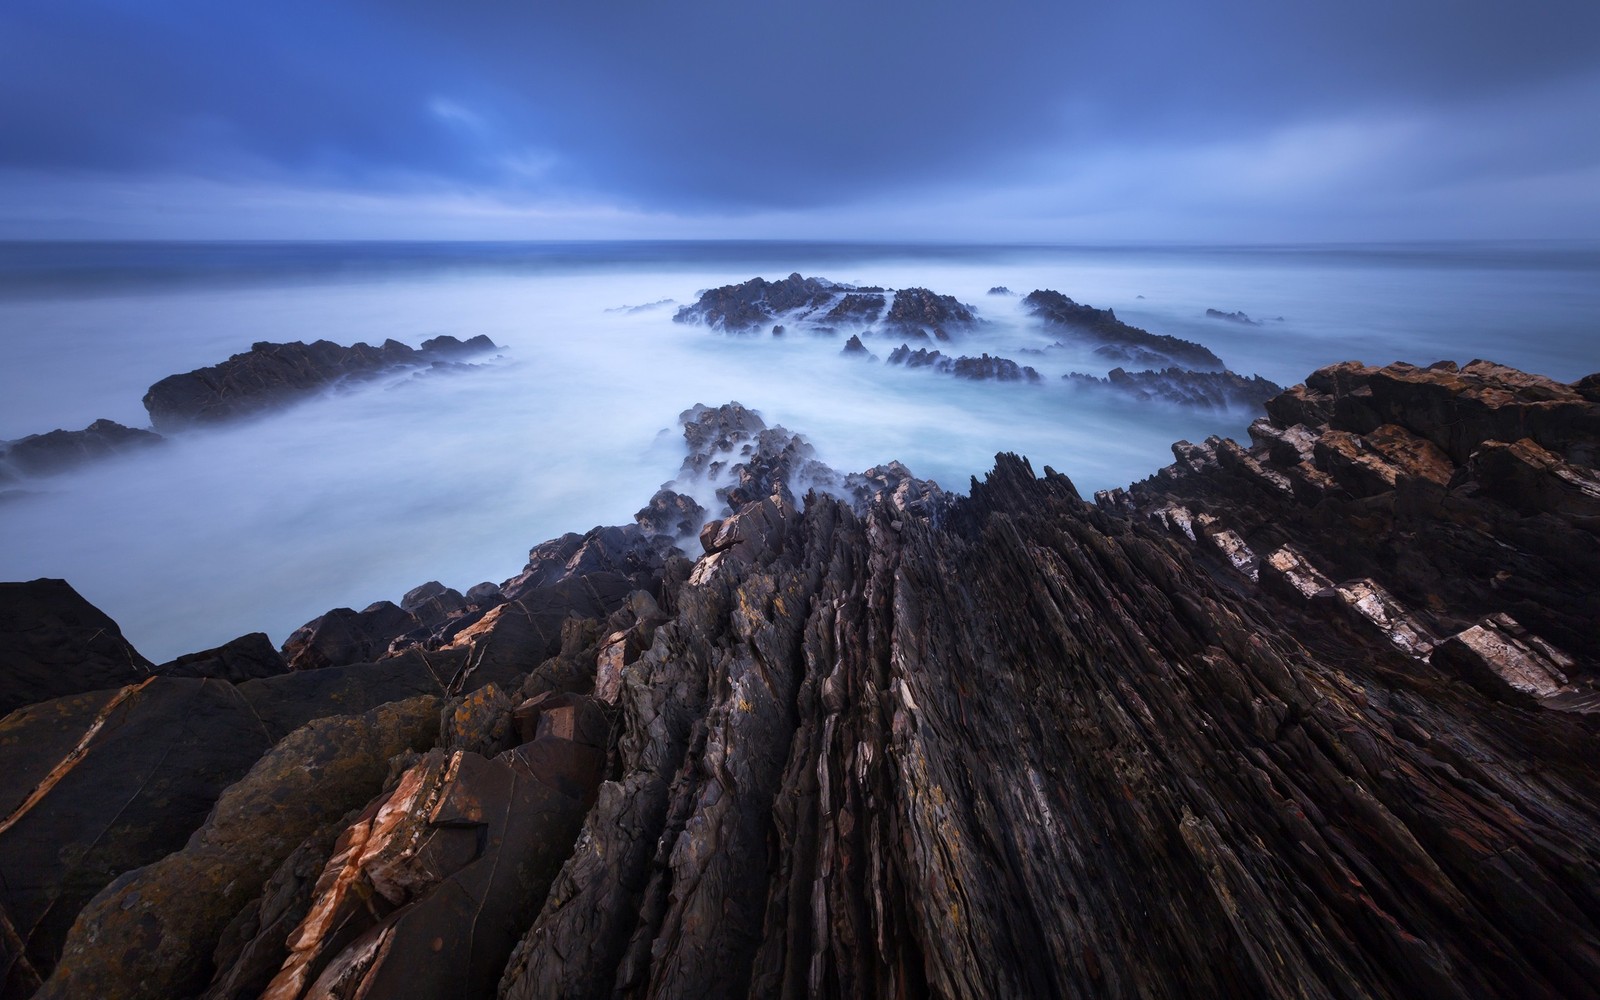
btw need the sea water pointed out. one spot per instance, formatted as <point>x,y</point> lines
<point>356,496</point>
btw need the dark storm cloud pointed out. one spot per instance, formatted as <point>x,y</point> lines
<point>712,106</point>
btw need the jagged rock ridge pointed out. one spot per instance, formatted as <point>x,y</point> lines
<point>1208,390</point>
<point>1103,327</point>
<point>1012,744</point>
<point>270,375</point>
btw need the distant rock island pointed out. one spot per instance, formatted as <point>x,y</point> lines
<point>1177,371</point>
<point>1316,715</point>
<point>266,377</point>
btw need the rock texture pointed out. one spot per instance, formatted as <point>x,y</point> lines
<point>756,302</point>
<point>270,375</point>
<point>1314,717</point>
<point>979,369</point>
<point>55,451</point>
<point>1207,390</point>
<point>1102,327</point>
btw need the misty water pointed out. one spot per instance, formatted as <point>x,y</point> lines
<point>359,495</point>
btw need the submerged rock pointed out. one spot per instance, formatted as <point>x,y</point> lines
<point>1232,317</point>
<point>980,369</point>
<point>1102,327</point>
<point>1208,390</point>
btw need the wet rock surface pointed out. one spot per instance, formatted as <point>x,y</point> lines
<point>979,369</point>
<point>271,375</point>
<point>756,302</point>
<point>1309,717</point>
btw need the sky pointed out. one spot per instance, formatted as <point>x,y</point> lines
<point>1229,121</point>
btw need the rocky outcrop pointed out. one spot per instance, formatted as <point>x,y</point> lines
<point>856,309</point>
<point>152,933</point>
<point>855,348</point>
<point>58,450</point>
<point>1101,327</point>
<point>1232,317</point>
<point>756,302</point>
<point>245,658</point>
<point>271,375</point>
<point>980,369</point>
<point>55,643</point>
<point>920,313</point>
<point>1207,390</point>
<point>1312,717</point>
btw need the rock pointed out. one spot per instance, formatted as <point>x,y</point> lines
<point>856,308</point>
<point>756,302</point>
<point>432,603</point>
<point>918,312</point>
<point>400,908</point>
<point>670,513</point>
<point>1206,390</point>
<point>445,346</point>
<point>55,643</point>
<point>1232,317</point>
<point>979,369</point>
<point>1316,711</point>
<point>270,375</point>
<point>99,784</point>
<point>1001,290</point>
<point>1101,326</point>
<point>152,932</point>
<point>239,660</point>
<point>344,636</point>
<point>855,348</point>
<point>58,450</point>
<point>1500,658</point>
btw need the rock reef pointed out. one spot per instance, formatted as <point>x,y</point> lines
<point>270,375</point>
<point>1102,327</point>
<point>1312,717</point>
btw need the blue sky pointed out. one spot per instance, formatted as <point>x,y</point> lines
<point>1224,122</point>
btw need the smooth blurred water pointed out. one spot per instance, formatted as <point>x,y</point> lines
<point>357,496</point>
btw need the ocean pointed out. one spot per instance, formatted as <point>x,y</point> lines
<point>357,496</point>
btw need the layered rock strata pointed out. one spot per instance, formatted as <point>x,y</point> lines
<point>1308,718</point>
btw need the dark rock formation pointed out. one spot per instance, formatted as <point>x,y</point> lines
<point>1459,494</point>
<point>270,375</point>
<point>855,348</point>
<point>856,308</point>
<point>979,369</point>
<point>917,313</point>
<point>153,932</point>
<point>346,636</point>
<point>1210,390</point>
<point>43,454</point>
<point>1311,718</point>
<point>245,658</point>
<point>756,302</point>
<point>54,643</point>
<point>1101,326</point>
<point>1232,317</point>
<point>1001,290</point>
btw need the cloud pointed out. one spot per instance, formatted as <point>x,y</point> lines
<point>736,115</point>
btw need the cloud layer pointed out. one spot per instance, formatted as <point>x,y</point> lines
<point>1026,120</point>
